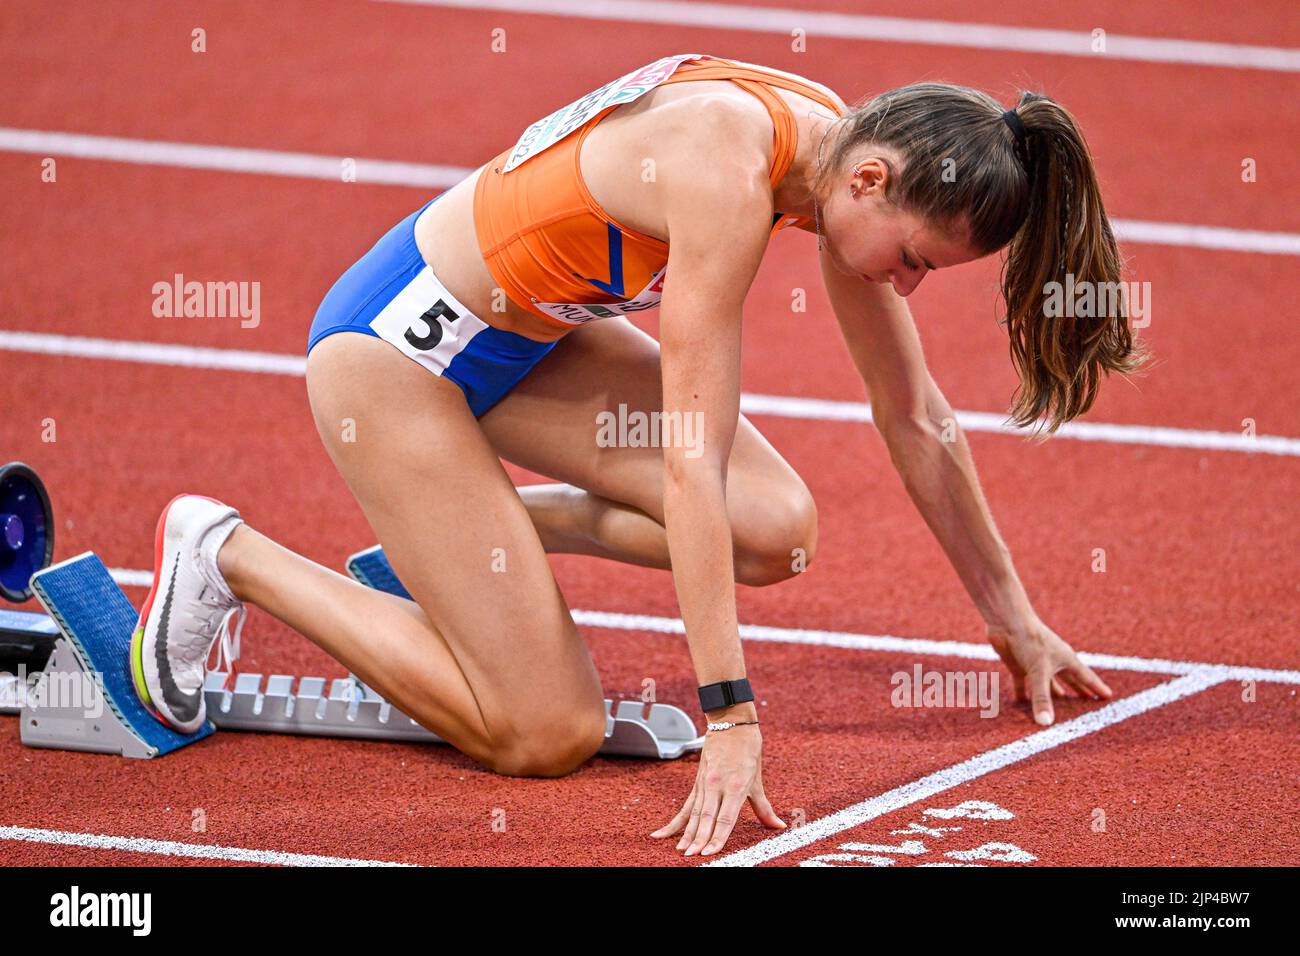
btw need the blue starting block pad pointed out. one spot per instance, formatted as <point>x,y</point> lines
<point>84,699</point>
<point>372,569</point>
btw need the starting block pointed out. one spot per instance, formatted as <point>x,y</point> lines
<point>667,733</point>
<point>84,700</point>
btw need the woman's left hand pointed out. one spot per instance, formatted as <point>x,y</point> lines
<point>1036,655</point>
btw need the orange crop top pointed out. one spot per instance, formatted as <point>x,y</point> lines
<point>547,242</point>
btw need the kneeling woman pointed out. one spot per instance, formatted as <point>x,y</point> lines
<point>492,324</point>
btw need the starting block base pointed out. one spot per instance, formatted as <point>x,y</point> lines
<point>346,707</point>
<point>84,699</point>
<point>667,732</point>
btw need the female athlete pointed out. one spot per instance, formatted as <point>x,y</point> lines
<point>492,324</point>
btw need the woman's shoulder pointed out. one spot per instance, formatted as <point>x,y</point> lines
<point>802,80</point>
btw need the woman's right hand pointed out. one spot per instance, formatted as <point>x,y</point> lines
<point>730,773</point>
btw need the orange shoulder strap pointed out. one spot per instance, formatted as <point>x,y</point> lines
<point>759,83</point>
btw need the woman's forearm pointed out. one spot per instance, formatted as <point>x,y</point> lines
<point>700,547</point>
<point>940,477</point>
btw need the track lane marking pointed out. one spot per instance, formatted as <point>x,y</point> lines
<point>199,851</point>
<point>758,633</point>
<point>228,159</point>
<point>978,766</point>
<point>1195,677</point>
<point>914,645</point>
<point>392,173</point>
<point>853,26</point>
<point>780,406</point>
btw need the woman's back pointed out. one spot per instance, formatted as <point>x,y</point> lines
<point>572,214</point>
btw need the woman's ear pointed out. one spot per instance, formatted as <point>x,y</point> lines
<point>870,175</point>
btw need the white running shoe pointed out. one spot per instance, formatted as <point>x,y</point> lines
<point>188,609</point>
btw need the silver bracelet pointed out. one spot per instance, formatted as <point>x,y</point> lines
<point>728,726</point>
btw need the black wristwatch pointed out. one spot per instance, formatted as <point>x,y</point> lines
<point>724,694</point>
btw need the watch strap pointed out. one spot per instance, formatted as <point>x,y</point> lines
<point>724,694</point>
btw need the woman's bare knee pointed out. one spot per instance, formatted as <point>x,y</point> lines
<point>778,540</point>
<point>552,748</point>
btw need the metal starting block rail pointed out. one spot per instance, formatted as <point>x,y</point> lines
<point>83,700</point>
<point>351,709</point>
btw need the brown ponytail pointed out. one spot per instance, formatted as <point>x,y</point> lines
<point>965,169</point>
<point>1060,358</point>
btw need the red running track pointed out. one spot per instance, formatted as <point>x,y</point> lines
<point>1200,545</point>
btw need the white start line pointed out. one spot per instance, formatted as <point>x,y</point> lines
<point>1195,677</point>
<point>790,841</point>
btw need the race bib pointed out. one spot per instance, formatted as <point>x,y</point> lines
<point>550,130</point>
<point>575,313</point>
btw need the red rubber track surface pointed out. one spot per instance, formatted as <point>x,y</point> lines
<point>1200,545</point>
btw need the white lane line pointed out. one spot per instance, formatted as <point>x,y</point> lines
<point>853,26</point>
<point>618,621</point>
<point>228,159</point>
<point>1205,237</point>
<point>783,406</point>
<point>197,851</point>
<point>154,353</point>
<point>615,620</point>
<point>978,766</point>
<point>131,578</point>
<point>780,406</point>
<point>385,172</point>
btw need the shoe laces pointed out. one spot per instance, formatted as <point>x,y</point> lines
<point>213,631</point>
<point>228,646</point>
